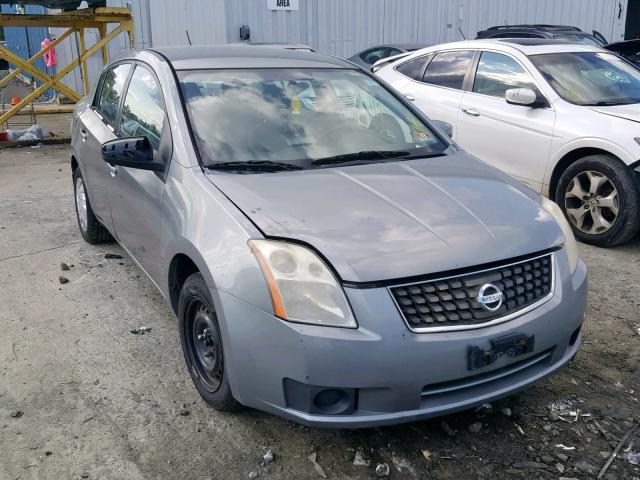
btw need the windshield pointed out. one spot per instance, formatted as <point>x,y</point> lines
<point>590,78</point>
<point>581,38</point>
<point>300,117</point>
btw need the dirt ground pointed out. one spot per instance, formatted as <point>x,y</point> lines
<point>81,397</point>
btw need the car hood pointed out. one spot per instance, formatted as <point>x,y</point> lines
<point>627,112</point>
<point>401,219</point>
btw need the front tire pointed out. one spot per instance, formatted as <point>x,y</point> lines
<point>599,196</point>
<point>202,344</point>
<point>90,227</point>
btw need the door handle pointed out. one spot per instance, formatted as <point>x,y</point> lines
<point>410,97</point>
<point>83,134</point>
<point>470,111</point>
<point>113,170</point>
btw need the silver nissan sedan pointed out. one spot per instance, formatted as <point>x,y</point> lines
<point>331,256</point>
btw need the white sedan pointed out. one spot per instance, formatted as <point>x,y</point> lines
<point>563,118</point>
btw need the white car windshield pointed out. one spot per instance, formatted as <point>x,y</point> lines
<point>590,78</point>
<point>300,117</point>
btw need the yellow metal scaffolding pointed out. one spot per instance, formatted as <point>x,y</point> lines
<point>76,22</point>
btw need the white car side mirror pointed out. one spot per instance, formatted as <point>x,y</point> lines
<point>522,96</point>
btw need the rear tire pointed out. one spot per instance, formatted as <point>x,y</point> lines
<point>202,344</point>
<point>90,227</point>
<point>601,200</point>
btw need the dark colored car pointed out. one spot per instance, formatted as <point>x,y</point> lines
<point>558,32</point>
<point>366,58</point>
<point>629,49</point>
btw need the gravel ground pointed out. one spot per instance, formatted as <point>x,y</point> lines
<point>81,397</point>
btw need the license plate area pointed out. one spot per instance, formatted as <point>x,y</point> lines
<point>509,346</point>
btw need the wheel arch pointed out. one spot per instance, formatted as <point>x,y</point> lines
<point>574,155</point>
<point>74,163</point>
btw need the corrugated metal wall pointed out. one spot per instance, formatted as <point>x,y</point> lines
<point>606,16</point>
<point>343,27</point>
<point>340,27</point>
<point>203,19</point>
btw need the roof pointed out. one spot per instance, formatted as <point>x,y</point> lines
<point>290,46</point>
<point>528,46</point>
<point>243,56</point>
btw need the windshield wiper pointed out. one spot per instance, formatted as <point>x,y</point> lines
<point>363,155</point>
<point>257,166</point>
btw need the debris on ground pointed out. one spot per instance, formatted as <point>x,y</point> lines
<point>614,454</point>
<point>426,454</point>
<point>560,407</point>
<point>633,457</point>
<point>359,460</point>
<point>63,280</point>
<point>528,465</point>
<point>382,470</point>
<point>564,447</point>
<point>113,256</point>
<point>184,412</point>
<point>34,132</point>
<point>17,414</point>
<point>506,412</point>
<point>484,409</point>
<point>141,330</point>
<point>64,267</point>
<point>268,457</point>
<point>316,466</point>
<point>447,429</point>
<point>253,474</point>
<point>402,465</point>
<point>475,427</point>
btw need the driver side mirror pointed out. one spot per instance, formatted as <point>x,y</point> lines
<point>525,97</point>
<point>132,152</point>
<point>445,127</point>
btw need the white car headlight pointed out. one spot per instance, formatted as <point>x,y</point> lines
<point>302,287</point>
<point>569,240</point>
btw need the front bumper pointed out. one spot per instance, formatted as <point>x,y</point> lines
<point>393,374</point>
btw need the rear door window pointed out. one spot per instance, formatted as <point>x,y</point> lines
<point>111,87</point>
<point>448,69</point>
<point>143,111</point>
<point>498,73</point>
<point>414,68</point>
<point>371,56</point>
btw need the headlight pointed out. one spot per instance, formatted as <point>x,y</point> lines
<point>569,240</point>
<point>302,287</point>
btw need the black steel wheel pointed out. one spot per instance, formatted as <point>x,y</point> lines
<point>202,344</point>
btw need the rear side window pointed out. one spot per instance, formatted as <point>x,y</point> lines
<point>448,69</point>
<point>373,55</point>
<point>498,73</point>
<point>111,89</point>
<point>143,111</point>
<point>413,68</point>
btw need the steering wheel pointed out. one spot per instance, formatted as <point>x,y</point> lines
<point>387,128</point>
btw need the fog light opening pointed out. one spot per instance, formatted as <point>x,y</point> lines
<point>574,336</point>
<point>332,401</point>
